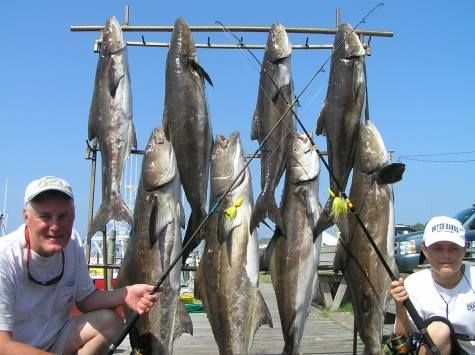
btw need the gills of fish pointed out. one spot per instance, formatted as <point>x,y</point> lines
<point>187,125</point>
<point>372,195</point>
<point>110,123</point>
<point>340,116</point>
<point>227,278</point>
<point>293,262</point>
<point>274,98</point>
<point>155,241</point>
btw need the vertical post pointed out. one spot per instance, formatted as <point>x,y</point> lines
<point>91,154</point>
<point>126,15</point>
<point>111,258</point>
<point>104,258</point>
<point>338,18</point>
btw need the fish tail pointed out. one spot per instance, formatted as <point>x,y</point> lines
<point>193,224</point>
<point>266,206</point>
<point>263,313</point>
<point>115,209</point>
<point>183,322</point>
<point>324,221</point>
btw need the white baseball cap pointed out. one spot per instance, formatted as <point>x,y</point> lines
<point>444,229</point>
<point>47,183</point>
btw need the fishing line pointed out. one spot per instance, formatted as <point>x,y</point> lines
<point>408,304</point>
<point>135,316</point>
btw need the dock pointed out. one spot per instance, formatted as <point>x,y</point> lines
<point>325,333</point>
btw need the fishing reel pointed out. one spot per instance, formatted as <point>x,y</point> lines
<point>398,345</point>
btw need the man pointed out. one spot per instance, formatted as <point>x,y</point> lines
<point>43,271</point>
<point>443,295</point>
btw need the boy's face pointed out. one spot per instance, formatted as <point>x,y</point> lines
<point>444,257</point>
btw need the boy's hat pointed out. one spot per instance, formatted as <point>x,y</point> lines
<point>442,228</point>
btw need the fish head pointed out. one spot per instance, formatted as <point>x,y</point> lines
<point>182,41</point>
<point>278,44</point>
<point>303,164</point>
<point>112,37</point>
<point>227,162</point>
<point>159,163</point>
<point>347,45</point>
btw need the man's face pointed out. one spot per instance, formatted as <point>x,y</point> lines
<point>445,257</point>
<point>50,222</point>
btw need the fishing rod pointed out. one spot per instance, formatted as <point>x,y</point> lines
<point>407,303</point>
<point>409,306</point>
<point>135,316</point>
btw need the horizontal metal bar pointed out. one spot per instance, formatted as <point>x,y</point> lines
<point>307,30</point>
<point>227,46</point>
<point>104,266</point>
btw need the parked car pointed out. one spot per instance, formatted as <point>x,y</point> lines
<point>404,229</point>
<point>407,246</point>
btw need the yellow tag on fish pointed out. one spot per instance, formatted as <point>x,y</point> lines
<point>231,212</point>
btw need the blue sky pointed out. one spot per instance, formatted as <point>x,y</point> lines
<point>420,88</point>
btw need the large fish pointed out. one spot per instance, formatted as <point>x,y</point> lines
<point>372,195</point>
<point>228,274</point>
<point>155,241</point>
<point>340,116</point>
<point>187,125</point>
<point>273,101</point>
<point>294,258</point>
<point>110,123</point>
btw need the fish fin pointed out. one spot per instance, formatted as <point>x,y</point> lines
<point>165,123</point>
<point>256,127</point>
<point>230,219</point>
<point>134,339</point>
<point>390,174</point>
<point>116,74</point>
<point>160,219</point>
<point>183,323</point>
<point>281,81</point>
<point>321,122</point>
<point>266,207</point>
<point>91,128</point>
<point>340,258</point>
<point>200,70</point>
<point>193,223</point>
<point>324,221</point>
<point>115,209</point>
<point>132,135</point>
<point>182,216</point>
<point>270,250</point>
<point>262,312</point>
<point>198,291</point>
<point>311,205</point>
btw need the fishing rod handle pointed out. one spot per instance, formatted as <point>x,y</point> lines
<point>420,325</point>
<point>123,333</point>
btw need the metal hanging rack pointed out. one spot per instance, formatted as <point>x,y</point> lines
<point>232,28</point>
<point>91,150</point>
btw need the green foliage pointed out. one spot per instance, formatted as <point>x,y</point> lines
<point>418,226</point>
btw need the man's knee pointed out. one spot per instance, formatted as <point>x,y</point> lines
<point>108,323</point>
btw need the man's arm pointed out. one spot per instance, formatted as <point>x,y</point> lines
<point>8,346</point>
<point>137,297</point>
<point>402,324</point>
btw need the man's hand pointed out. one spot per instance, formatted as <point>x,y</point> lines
<point>139,298</point>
